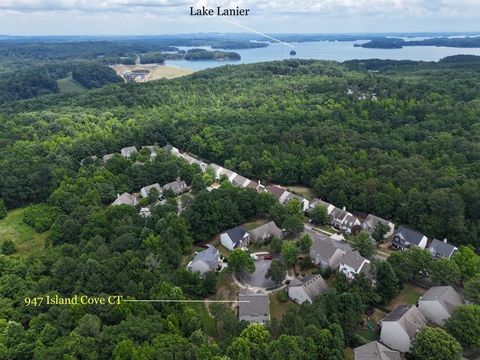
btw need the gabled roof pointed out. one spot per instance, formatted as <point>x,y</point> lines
<point>239,180</point>
<point>128,150</point>
<point>147,189</point>
<point>318,202</point>
<point>107,157</point>
<point>409,317</point>
<point>372,221</point>
<point>228,173</point>
<point>175,185</point>
<point>216,168</point>
<point>375,351</point>
<point>257,305</point>
<point>276,190</point>
<point>269,228</point>
<point>324,247</point>
<point>409,235</point>
<point>313,285</point>
<point>125,199</point>
<point>236,234</point>
<point>354,260</point>
<point>443,248</point>
<point>339,214</point>
<point>445,295</point>
<point>208,256</point>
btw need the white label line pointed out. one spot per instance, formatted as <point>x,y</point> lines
<point>189,301</point>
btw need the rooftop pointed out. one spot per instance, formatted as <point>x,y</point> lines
<point>375,351</point>
<point>258,304</point>
<point>445,295</point>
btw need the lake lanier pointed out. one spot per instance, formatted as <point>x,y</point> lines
<point>204,11</point>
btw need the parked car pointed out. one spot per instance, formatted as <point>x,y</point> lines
<point>268,257</point>
<point>254,257</point>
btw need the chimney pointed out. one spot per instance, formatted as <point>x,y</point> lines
<point>344,208</point>
<point>445,240</point>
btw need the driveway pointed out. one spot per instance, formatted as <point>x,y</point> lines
<point>257,278</point>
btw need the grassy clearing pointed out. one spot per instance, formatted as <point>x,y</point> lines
<point>254,224</point>
<point>302,190</point>
<point>26,240</point>
<point>370,335</point>
<point>326,228</point>
<point>409,295</point>
<point>70,86</point>
<point>277,308</point>
<point>208,322</point>
<point>156,71</point>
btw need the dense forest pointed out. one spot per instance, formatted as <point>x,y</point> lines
<point>396,43</point>
<point>397,139</point>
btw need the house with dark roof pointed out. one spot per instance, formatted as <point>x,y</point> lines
<point>372,221</point>
<point>146,190</point>
<point>264,232</point>
<point>253,307</point>
<point>178,187</point>
<point>128,151</point>
<point>352,263</point>
<point>205,261</point>
<point>399,327</point>
<point>324,253</point>
<point>306,288</point>
<point>125,199</point>
<point>438,303</point>
<point>375,351</point>
<point>405,237</point>
<point>235,238</point>
<point>441,249</point>
<point>280,193</point>
<point>257,186</point>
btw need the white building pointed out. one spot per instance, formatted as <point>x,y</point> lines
<point>235,238</point>
<point>438,303</point>
<point>306,288</point>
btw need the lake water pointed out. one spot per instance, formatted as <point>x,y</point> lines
<point>329,50</point>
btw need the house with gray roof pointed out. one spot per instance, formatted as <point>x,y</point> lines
<point>306,288</point>
<point>125,199</point>
<point>405,237</point>
<point>324,253</point>
<point>146,190</point>
<point>441,249</point>
<point>280,193</point>
<point>205,261</point>
<point>177,186</point>
<point>438,303</point>
<point>229,174</point>
<point>343,220</point>
<point>235,238</point>
<point>253,307</point>
<point>372,221</point>
<point>318,202</point>
<point>352,263</point>
<point>241,181</point>
<point>399,327</point>
<point>171,149</point>
<point>128,151</point>
<point>191,160</point>
<point>264,232</point>
<point>304,202</point>
<point>153,150</point>
<point>217,169</point>
<point>375,351</point>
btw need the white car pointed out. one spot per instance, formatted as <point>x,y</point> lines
<point>254,257</point>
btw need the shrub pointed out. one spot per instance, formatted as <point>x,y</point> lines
<point>41,216</point>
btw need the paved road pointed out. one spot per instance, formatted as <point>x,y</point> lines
<point>257,278</point>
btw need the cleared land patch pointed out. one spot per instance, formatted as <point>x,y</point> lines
<point>155,71</point>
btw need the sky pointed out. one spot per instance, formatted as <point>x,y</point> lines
<point>155,17</point>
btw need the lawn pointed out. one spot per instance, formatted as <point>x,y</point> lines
<point>254,224</point>
<point>208,322</point>
<point>277,308</point>
<point>326,228</point>
<point>302,190</point>
<point>409,295</point>
<point>368,334</point>
<point>26,240</point>
<point>348,353</point>
<point>69,86</point>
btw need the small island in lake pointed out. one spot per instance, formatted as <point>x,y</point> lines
<point>293,53</point>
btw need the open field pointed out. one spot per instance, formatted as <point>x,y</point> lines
<point>277,308</point>
<point>69,86</point>
<point>26,240</point>
<point>302,190</point>
<point>156,71</point>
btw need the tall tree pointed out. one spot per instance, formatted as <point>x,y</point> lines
<point>472,289</point>
<point>289,252</point>
<point>435,344</point>
<point>362,242</point>
<point>240,261</point>
<point>464,325</point>
<point>276,271</point>
<point>387,281</point>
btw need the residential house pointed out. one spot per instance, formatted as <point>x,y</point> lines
<point>253,307</point>
<point>438,303</point>
<point>264,232</point>
<point>343,220</point>
<point>235,238</point>
<point>352,263</point>
<point>372,221</point>
<point>400,327</point>
<point>171,149</point>
<point>178,187</point>
<point>107,157</point>
<point>280,193</point>
<point>441,249</point>
<point>317,202</point>
<point>304,202</point>
<point>257,186</point>
<point>191,160</point>
<point>153,150</point>
<point>229,174</point>
<point>128,151</point>
<point>125,199</point>
<point>324,253</point>
<point>405,237</point>
<point>375,351</point>
<point>241,181</point>
<point>217,169</point>
<point>146,190</point>
<point>306,288</point>
<point>89,160</point>
<point>205,261</point>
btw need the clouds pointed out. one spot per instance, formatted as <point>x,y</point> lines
<point>319,7</point>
